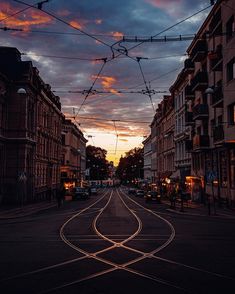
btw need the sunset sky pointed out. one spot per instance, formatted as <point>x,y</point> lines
<point>67,59</point>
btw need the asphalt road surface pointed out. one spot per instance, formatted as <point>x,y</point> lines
<point>115,243</point>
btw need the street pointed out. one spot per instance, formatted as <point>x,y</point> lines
<point>116,243</point>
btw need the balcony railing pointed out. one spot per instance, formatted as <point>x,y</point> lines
<point>199,51</point>
<point>200,81</point>
<point>188,118</point>
<point>216,59</point>
<point>189,94</point>
<point>189,65</point>
<point>201,142</point>
<point>217,97</point>
<point>218,133</point>
<point>215,24</point>
<point>200,111</point>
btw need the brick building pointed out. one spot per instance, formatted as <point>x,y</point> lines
<point>73,156</point>
<point>30,132</point>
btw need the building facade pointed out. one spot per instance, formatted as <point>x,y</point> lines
<point>213,102</point>
<point>183,123</point>
<point>73,155</point>
<point>30,132</point>
<point>147,159</point>
<point>162,139</point>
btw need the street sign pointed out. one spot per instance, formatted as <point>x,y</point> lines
<point>22,177</point>
<point>211,176</point>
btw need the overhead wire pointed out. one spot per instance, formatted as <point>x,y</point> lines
<point>110,120</point>
<point>146,86</point>
<point>14,14</point>
<point>157,78</point>
<point>65,22</point>
<point>61,57</point>
<point>172,26</point>
<point>90,89</point>
<point>104,43</point>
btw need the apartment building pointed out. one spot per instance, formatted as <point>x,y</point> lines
<point>73,155</point>
<point>213,102</point>
<point>183,122</point>
<point>30,132</point>
<point>162,139</point>
<point>147,159</point>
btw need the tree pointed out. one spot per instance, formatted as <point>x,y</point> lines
<point>97,163</point>
<point>130,166</point>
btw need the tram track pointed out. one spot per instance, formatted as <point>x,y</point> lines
<point>115,266</point>
<point>124,198</point>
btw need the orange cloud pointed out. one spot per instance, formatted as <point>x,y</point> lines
<point>29,18</point>
<point>107,83</point>
<point>75,24</point>
<point>117,35</point>
<point>163,3</point>
<point>98,21</point>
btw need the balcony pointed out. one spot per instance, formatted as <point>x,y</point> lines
<point>200,112</point>
<point>189,94</point>
<point>188,145</point>
<point>201,142</point>
<point>199,51</point>
<point>188,66</point>
<point>216,59</point>
<point>215,26</point>
<point>217,98</point>
<point>200,81</point>
<point>218,134</point>
<point>188,118</point>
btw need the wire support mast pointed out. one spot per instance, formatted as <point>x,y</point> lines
<point>114,123</point>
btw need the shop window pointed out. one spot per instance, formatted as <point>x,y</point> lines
<point>231,114</point>
<point>230,28</point>
<point>231,70</point>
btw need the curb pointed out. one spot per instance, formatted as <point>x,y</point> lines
<point>203,215</point>
<point>26,213</point>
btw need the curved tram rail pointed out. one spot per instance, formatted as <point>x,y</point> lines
<point>114,266</point>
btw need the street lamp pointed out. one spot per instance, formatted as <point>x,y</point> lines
<point>22,178</point>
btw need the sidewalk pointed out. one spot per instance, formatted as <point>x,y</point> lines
<point>9,212</point>
<point>198,209</point>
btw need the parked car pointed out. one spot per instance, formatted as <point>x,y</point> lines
<point>153,196</point>
<point>132,191</point>
<point>139,193</point>
<point>80,193</point>
<point>93,190</point>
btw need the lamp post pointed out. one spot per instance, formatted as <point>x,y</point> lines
<point>22,178</point>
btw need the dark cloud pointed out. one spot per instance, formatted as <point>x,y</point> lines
<point>104,18</point>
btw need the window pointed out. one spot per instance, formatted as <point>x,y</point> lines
<point>63,139</point>
<point>230,28</point>
<point>231,70</point>
<point>231,114</point>
<point>232,168</point>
